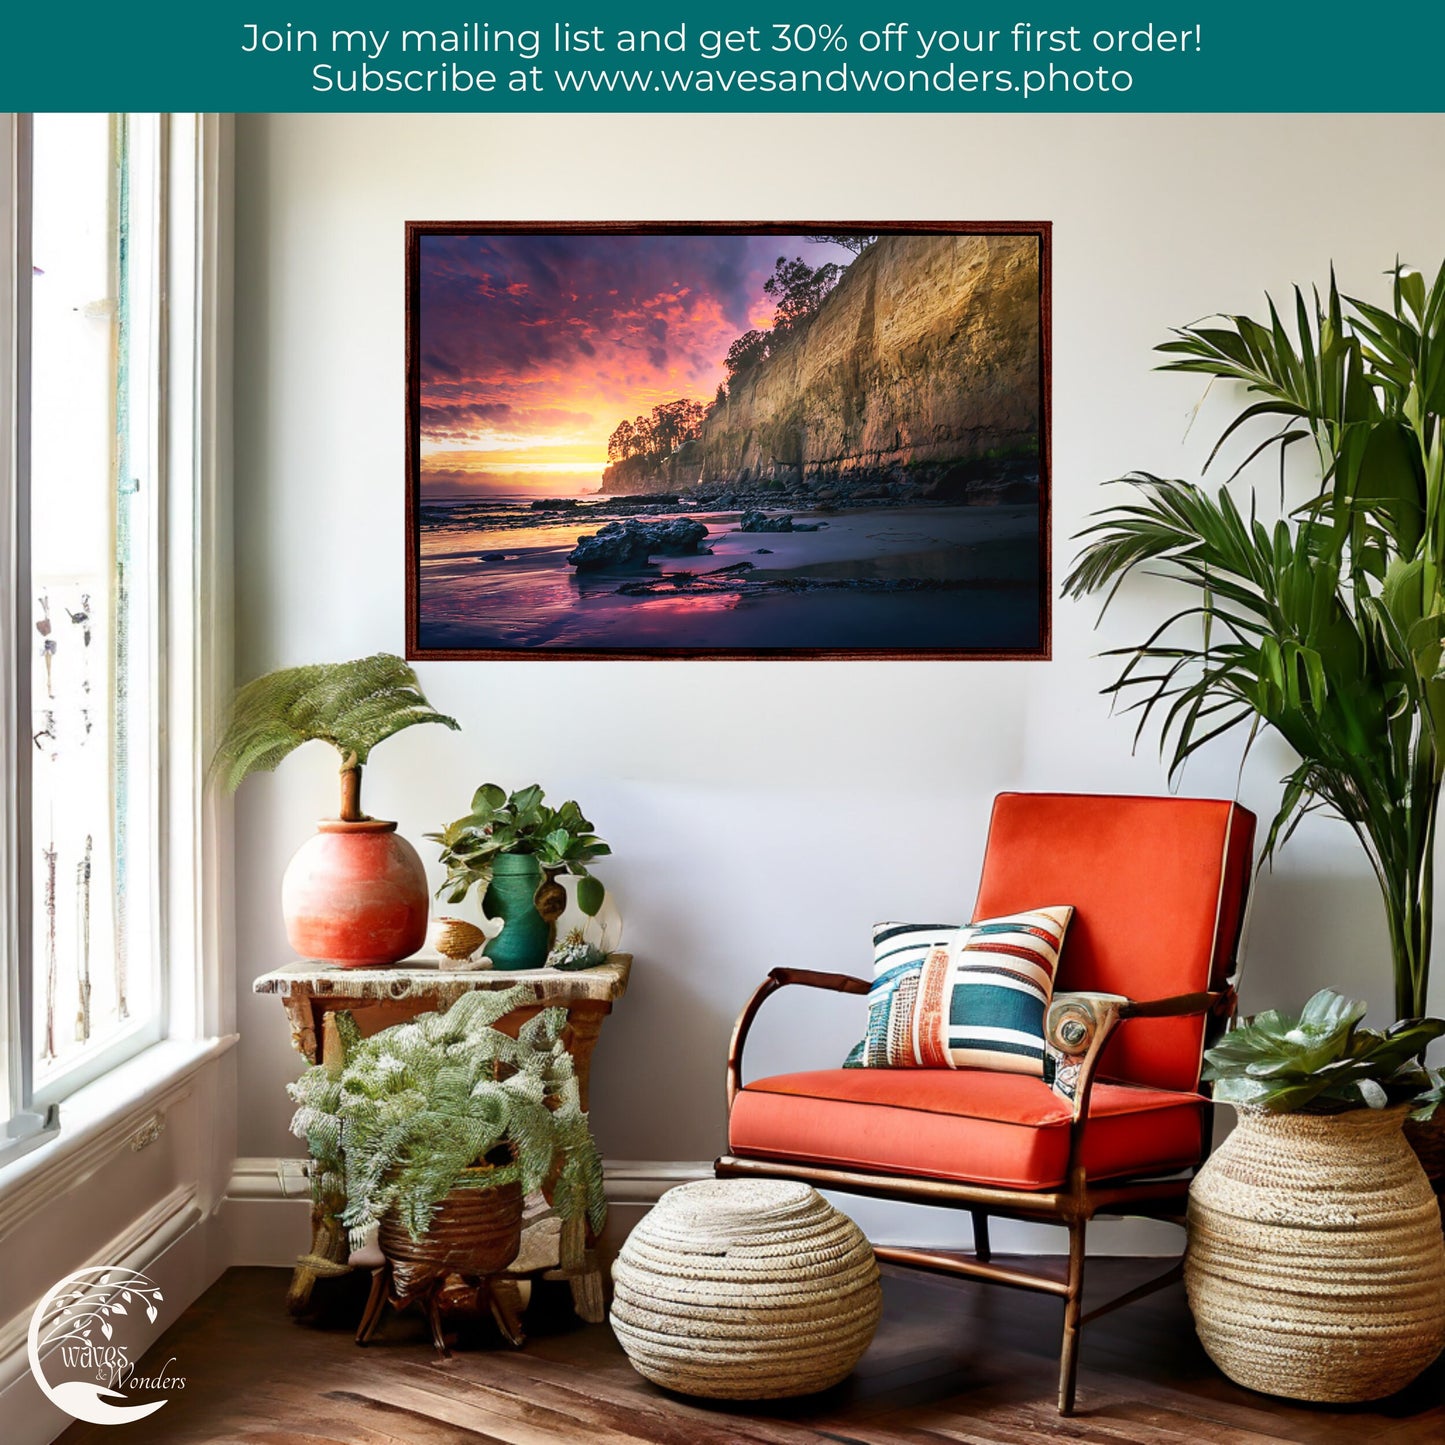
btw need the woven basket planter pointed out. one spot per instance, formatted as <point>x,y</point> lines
<point>1316,1266</point>
<point>474,1232</point>
<point>745,1290</point>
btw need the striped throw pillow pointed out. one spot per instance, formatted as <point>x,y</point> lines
<point>963,997</point>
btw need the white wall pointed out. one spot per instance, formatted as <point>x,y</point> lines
<point>768,813</point>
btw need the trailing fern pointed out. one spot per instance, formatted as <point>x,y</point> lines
<point>419,1104</point>
<point>351,705</point>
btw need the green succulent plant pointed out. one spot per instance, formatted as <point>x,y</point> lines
<point>561,839</point>
<point>351,705</point>
<point>1429,1100</point>
<point>417,1105</point>
<point>1322,1060</point>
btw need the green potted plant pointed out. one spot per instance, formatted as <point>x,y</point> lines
<point>512,847</point>
<point>1327,625</point>
<point>434,1131</point>
<point>356,893</point>
<point>1316,1266</point>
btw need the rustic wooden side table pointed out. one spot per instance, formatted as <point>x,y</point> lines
<point>314,993</point>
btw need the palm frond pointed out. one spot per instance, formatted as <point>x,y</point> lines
<point>1328,626</point>
<point>351,705</point>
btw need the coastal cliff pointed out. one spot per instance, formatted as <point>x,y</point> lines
<point>920,369</point>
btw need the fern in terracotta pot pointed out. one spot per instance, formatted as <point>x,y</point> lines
<point>1316,1265</point>
<point>356,893</point>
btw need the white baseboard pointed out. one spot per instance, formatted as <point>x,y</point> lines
<point>267,1215</point>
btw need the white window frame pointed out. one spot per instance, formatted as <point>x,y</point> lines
<point>193,620</point>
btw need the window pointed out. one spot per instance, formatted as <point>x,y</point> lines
<point>108,478</point>
<point>91,534</point>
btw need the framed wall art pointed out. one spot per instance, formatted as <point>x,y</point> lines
<point>814,439</point>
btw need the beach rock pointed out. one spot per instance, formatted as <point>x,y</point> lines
<point>495,556</point>
<point>556,504</point>
<point>761,522</point>
<point>626,544</point>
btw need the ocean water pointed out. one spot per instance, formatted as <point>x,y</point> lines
<point>493,575</point>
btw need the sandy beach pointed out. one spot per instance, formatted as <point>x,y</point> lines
<point>495,575</point>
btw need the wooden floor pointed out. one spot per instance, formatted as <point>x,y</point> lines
<point>952,1362</point>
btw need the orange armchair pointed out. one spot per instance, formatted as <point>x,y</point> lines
<point>1158,887</point>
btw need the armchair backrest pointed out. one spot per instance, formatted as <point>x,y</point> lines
<point>1158,887</point>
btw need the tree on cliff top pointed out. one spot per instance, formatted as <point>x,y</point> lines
<point>667,427</point>
<point>799,289</point>
<point>854,241</point>
<point>620,443</point>
<point>747,351</point>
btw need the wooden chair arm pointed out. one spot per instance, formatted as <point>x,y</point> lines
<point>1081,1025</point>
<point>1180,1006</point>
<point>779,978</point>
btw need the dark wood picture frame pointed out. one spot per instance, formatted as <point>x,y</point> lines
<point>1042,231</point>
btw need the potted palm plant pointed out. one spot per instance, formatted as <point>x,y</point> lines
<point>1328,625</point>
<point>513,847</point>
<point>432,1133</point>
<point>1316,1267</point>
<point>356,893</point>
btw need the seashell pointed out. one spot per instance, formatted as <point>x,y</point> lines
<point>455,938</point>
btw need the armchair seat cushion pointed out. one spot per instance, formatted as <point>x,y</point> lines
<point>969,1126</point>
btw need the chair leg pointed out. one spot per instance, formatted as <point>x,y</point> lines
<point>981,1248</point>
<point>1073,1302</point>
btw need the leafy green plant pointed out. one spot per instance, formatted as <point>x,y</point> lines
<point>561,839</point>
<point>1321,1060</point>
<point>1429,1100</point>
<point>417,1105</point>
<point>1329,625</point>
<point>351,705</point>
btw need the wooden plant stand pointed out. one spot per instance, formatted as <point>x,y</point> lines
<point>314,993</point>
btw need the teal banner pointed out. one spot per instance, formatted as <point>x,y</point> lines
<point>725,55</point>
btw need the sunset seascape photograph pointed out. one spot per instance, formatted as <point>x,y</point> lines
<point>813,440</point>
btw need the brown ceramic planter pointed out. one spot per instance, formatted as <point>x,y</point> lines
<point>355,894</point>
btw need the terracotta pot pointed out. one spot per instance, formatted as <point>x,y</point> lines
<point>355,894</point>
<point>1315,1266</point>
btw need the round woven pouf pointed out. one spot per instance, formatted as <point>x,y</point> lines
<point>739,1289</point>
<point>1315,1266</point>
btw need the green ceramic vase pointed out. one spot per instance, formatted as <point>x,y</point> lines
<point>522,943</point>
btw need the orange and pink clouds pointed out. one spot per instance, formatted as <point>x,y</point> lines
<point>533,347</point>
